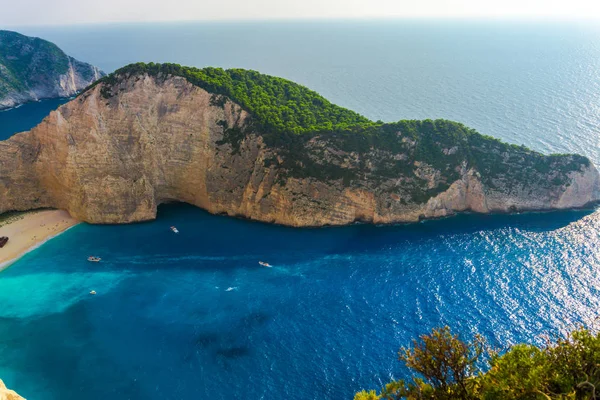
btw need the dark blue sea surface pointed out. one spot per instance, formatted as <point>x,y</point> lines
<point>194,316</point>
<point>26,117</point>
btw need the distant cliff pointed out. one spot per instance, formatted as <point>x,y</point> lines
<point>6,394</point>
<point>245,144</point>
<point>33,69</point>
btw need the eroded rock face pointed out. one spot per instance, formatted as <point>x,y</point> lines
<point>6,394</point>
<point>78,76</point>
<point>32,69</point>
<point>114,160</point>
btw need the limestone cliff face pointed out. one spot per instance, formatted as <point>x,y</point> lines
<point>114,159</point>
<point>32,69</point>
<point>6,394</point>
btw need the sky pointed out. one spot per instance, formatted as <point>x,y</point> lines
<point>69,12</point>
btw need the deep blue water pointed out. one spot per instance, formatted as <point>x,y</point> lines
<point>194,316</point>
<point>25,117</point>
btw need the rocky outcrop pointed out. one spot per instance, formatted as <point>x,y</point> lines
<point>32,69</point>
<point>6,394</point>
<point>113,158</point>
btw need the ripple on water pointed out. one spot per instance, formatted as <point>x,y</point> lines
<point>325,321</point>
<point>328,318</point>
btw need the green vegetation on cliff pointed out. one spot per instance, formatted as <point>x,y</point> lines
<point>279,105</point>
<point>31,68</point>
<point>289,116</point>
<point>448,368</point>
<point>22,58</point>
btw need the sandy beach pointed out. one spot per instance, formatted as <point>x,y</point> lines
<point>28,230</point>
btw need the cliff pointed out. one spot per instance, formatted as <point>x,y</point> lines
<point>142,137</point>
<point>6,394</point>
<point>33,69</point>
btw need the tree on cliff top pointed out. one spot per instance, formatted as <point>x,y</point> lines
<point>568,368</point>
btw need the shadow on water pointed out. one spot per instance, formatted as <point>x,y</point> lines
<point>207,339</point>
<point>205,240</point>
<point>232,353</point>
<point>467,223</point>
<point>256,318</point>
<point>460,223</point>
<point>230,344</point>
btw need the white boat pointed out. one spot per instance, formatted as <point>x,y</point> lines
<point>94,259</point>
<point>174,229</point>
<point>264,264</point>
<point>93,292</point>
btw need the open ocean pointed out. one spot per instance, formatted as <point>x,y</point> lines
<point>193,315</point>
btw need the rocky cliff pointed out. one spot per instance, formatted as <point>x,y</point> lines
<point>33,69</point>
<point>6,394</point>
<point>137,140</point>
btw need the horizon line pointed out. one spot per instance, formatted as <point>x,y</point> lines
<point>416,18</point>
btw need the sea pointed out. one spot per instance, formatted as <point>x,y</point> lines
<point>194,316</point>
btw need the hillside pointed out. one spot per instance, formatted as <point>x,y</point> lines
<point>33,69</point>
<point>241,143</point>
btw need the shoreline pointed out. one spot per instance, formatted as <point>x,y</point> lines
<point>28,231</point>
<point>592,206</point>
<point>12,108</point>
<point>68,98</point>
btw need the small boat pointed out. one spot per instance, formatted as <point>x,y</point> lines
<point>93,292</point>
<point>3,241</point>
<point>94,259</point>
<point>174,229</point>
<point>264,264</point>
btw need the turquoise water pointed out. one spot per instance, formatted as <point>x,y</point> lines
<point>194,316</point>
